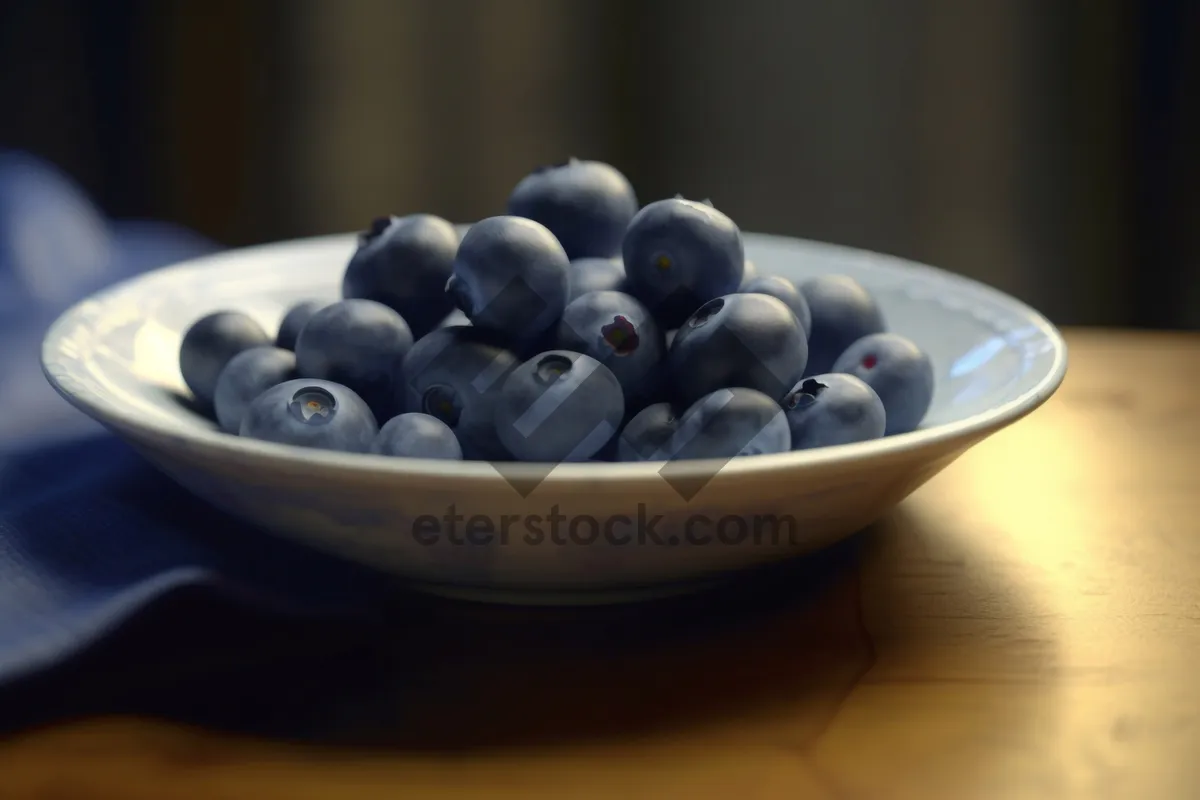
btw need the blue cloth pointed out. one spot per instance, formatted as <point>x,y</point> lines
<point>121,593</point>
<point>90,535</point>
<point>93,541</point>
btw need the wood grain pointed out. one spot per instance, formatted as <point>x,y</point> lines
<point>1026,625</point>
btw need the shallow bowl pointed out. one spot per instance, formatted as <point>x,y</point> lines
<point>569,533</point>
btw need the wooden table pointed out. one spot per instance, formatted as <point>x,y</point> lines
<point>1026,625</point>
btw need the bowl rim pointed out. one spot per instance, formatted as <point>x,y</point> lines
<point>218,444</point>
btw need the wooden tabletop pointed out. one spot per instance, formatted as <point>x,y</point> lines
<point>1026,625</point>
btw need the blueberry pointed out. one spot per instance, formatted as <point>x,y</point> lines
<point>749,273</point>
<point>246,376</point>
<point>357,343</point>
<point>843,312</point>
<point>680,254</point>
<point>748,340</point>
<point>618,331</point>
<point>404,263</point>
<point>647,433</point>
<point>595,275</point>
<point>416,435</point>
<point>782,289</point>
<point>510,276</point>
<point>311,413</point>
<point>455,374</point>
<point>559,406</point>
<point>899,372</point>
<point>586,205</point>
<point>210,343</point>
<point>833,409</point>
<point>729,423</point>
<point>294,321</point>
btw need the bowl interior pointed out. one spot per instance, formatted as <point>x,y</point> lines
<point>117,353</point>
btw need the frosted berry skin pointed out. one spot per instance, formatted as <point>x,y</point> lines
<point>246,376</point>
<point>647,433</point>
<point>898,371</point>
<point>455,374</point>
<point>782,289</point>
<point>294,321</point>
<point>619,332</point>
<point>595,275</point>
<point>587,205</point>
<point>209,344</point>
<point>843,312</point>
<point>357,343</point>
<point>311,413</point>
<point>678,255</point>
<point>559,406</point>
<point>728,423</point>
<point>510,277</point>
<point>404,263</point>
<point>833,409</point>
<point>748,340</point>
<point>417,435</point>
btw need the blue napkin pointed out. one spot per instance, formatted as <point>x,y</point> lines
<point>90,535</point>
<point>92,538</point>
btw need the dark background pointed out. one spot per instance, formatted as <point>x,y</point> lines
<point>1050,148</point>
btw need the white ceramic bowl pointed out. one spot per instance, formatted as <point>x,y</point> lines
<point>114,357</point>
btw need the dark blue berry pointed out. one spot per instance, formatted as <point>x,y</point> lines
<point>404,263</point>
<point>559,406</point>
<point>748,340</point>
<point>595,275</point>
<point>680,254</point>
<point>510,276</point>
<point>843,312</point>
<point>417,435</point>
<point>833,409</point>
<point>783,289</point>
<point>209,344</point>
<point>294,321</point>
<point>899,372</point>
<point>618,331</point>
<point>586,205</point>
<point>246,376</point>
<point>729,423</point>
<point>648,433</point>
<point>359,344</point>
<point>455,374</point>
<point>311,413</point>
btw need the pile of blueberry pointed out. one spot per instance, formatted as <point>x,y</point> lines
<point>578,327</point>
